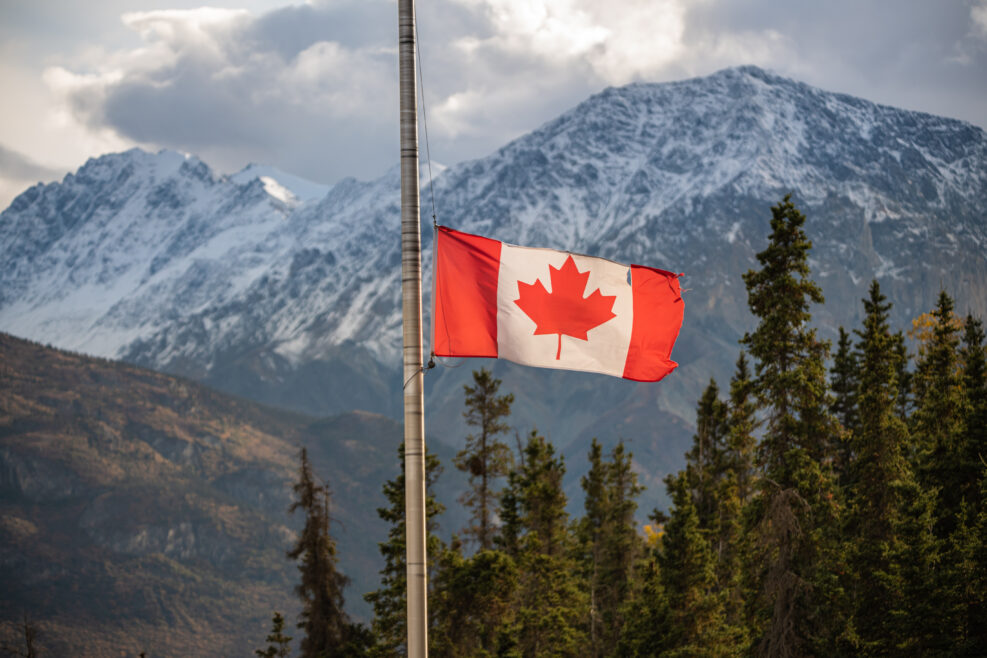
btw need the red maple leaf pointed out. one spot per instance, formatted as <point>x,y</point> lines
<point>564,310</point>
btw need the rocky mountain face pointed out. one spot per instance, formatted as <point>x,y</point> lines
<point>294,300</point>
<point>143,512</point>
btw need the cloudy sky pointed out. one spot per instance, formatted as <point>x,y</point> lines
<point>311,87</point>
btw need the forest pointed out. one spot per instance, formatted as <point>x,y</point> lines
<point>832,504</point>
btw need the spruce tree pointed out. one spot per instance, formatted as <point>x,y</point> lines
<point>549,602</point>
<point>485,458</point>
<point>738,487</point>
<point>977,589</point>
<point>844,384</point>
<point>473,602</point>
<point>687,566</point>
<point>881,484</point>
<point>795,506</point>
<point>937,423</point>
<point>741,424</point>
<point>278,644</point>
<point>609,543</point>
<point>904,377</point>
<point>972,452</point>
<point>592,528</point>
<point>647,631</point>
<point>322,618</point>
<point>706,460</point>
<point>390,600</point>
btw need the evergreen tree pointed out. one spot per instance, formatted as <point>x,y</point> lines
<point>937,423</point>
<point>706,460</point>
<point>844,385</point>
<point>844,382</point>
<point>796,506</point>
<point>881,484</point>
<point>549,603</point>
<point>508,538</point>
<point>609,542</point>
<point>278,644</point>
<point>924,629</point>
<point>592,528</point>
<point>741,425</point>
<point>322,619</point>
<point>390,600</point>
<point>977,583</point>
<point>647,632</point>
<point>485,458</point>
<point>972,453</point>
<point>732,547</point>
<point>698,624</point>
<point>473,602</point>
<point>904,377</point>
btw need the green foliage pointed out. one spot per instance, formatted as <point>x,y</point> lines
<point>322,619</point>
<point>937,423</point>
<point>474,602</point>
<point>880,485</point>
<point>795,508</point>
<point>549,602</point>
<point>844,384</point>
<point>972,451</point>
<point>688,571</point>
<point>608,543</point>
<point>390,600</point>
<point>706,462</point>
<point>741,425</point>
<point>278,644</point>
<point>647,631</point>
<point>485,458</point>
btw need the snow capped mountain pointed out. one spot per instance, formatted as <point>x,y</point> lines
<point>280,184</point>
<point>273,287</point>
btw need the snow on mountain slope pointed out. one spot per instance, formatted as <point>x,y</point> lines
<point>295,300</point>
<point>278,182</point>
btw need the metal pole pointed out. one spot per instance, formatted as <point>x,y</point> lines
<point>411,300</point>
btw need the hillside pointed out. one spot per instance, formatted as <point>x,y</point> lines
<point>140,511</point>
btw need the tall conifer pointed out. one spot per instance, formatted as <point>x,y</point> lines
<point>390,600</point>
<point>485,458</point>
<point>844,384</point>
<point>608,541</point>
<point>549,601</point>
<point>973,444</point>
<point>881,483</point>
<point>688,570</point>
<point>322,619</point>
<point>795,506</point>
<point>938,420</point>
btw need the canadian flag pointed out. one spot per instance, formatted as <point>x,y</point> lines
<point>553,309</point>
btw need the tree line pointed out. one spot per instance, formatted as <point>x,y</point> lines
<point>831,505</point>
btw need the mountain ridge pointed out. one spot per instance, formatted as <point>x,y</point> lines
<point>299,305</point>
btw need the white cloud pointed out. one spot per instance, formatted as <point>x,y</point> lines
<point>224,84</point>
<point>311,88</point>
<point>978,14</point>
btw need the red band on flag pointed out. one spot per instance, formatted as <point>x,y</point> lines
<point>466,294</point>
<point>658,311</point>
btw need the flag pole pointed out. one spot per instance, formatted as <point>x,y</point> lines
<point>411,302</point>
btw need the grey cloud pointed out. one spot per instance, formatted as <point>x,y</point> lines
<point>244,103</point>
<point>906,55</point>
<point>291,30</point>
